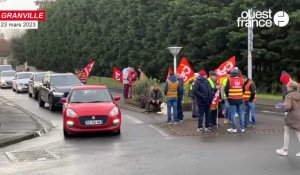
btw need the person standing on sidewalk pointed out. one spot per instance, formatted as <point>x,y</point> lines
<point>249,101</point>
<point>125,73</point>
<point>234,92</point>
<point>195,111</point>
<point>180,98</point>
<point>171,90</point>
<point>292,120</point>
<point>204,96</point>
<point>214,86</point>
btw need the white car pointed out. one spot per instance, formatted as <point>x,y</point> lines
<point>6,78</point>
<point>21,81</point>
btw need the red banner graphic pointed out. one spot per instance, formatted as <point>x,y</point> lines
<point>22,15</point>
<point>117,75</point>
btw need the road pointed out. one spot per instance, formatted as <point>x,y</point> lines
<point>143,148</point>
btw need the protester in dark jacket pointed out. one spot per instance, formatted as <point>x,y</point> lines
<point>204,96</point>
<point>180,98</point>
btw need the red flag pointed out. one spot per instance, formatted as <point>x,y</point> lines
<point>185,70</point>
<point>224,68</point>
<point>89,67</point>
<point>215,101</point>
<point>117,75</point>
<point>170,70</point>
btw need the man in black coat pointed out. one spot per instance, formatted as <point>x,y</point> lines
<point>204,96</point>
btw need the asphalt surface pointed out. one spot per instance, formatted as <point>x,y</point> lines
<point>16,124</point>
<point>144,147</point>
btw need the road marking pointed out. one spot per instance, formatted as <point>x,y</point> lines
<point>159,131</point>
<point>9,104</point>
<point>132,119</point>
<point>270,112</point>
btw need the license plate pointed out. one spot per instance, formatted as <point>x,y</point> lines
<point>93,122</point>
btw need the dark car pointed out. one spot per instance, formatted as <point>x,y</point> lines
<point>34,84</point>
<point>55,86</point>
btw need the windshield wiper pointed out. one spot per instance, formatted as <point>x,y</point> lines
<point>97,101</point>
<point>77,102</point>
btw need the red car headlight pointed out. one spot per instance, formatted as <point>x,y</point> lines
<point>71,113</point>
<point>114,111</point>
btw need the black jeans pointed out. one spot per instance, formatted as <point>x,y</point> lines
<point>213,117</point>
<point>179,107</point>
<point>204,112</point>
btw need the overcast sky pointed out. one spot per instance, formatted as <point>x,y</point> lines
<point>18,5</point>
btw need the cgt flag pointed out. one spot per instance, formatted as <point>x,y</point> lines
<point>88,68</point>
<point>170,70</point>
<point>117,75</point>
<point>215,101</point>
<point>224,68</point>
<point>185,70</point>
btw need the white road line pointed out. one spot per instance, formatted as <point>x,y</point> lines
<point>132,119</point>
<point>159,131</point>
<point>9,104</point>
<point>270,112</point>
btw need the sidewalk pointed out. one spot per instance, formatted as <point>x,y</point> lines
<point>15,124</point>
<point>189,126</point>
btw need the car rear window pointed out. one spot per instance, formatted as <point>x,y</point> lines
<point>90,96</point>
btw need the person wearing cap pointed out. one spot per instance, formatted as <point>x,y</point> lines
<point>292,120</point>
<point>191,94</point>
<point>234,92</point>
<point>171,90</point>
<point>214,86</point>
<point>204,96</point>
<point>180,98</point>
<point>249,101</point>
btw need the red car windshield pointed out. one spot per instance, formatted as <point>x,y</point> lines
<point>90,96</point>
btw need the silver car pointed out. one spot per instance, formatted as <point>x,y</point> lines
<point>21,81</point>
<point>6,78</point>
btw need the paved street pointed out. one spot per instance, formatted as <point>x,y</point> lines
<point>144,147</point>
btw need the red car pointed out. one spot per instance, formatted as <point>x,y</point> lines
<point>91,108</point>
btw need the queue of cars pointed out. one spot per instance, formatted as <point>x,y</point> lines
<point>86,108</point>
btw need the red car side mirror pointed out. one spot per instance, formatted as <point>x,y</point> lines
<point>117,98</point>
<point>63,100</point>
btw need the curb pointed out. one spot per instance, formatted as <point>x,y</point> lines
<point>43,124</point>
<point>18,139</point>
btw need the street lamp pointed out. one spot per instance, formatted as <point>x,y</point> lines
<point>174,51</point>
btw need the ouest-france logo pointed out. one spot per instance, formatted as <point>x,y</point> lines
<point>262,18</point>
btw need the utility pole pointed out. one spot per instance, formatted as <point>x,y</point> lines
<point>250,43</point>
